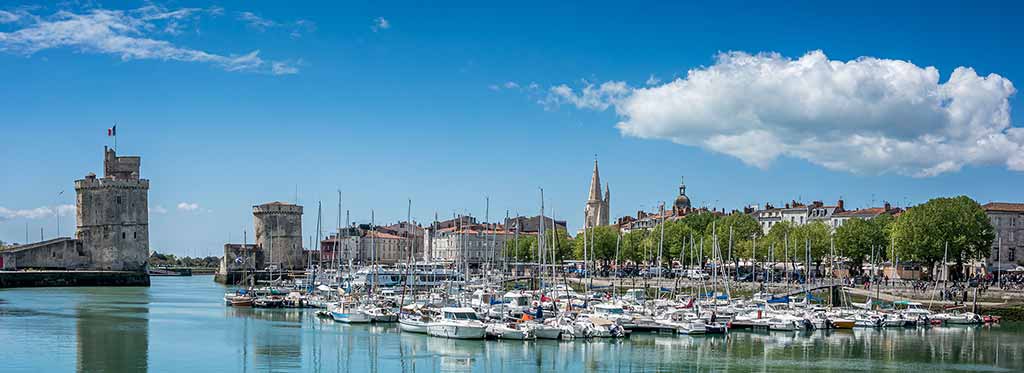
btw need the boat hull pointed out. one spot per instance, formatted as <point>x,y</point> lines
<point>456,331</point>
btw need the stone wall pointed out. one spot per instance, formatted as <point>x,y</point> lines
<point>72,278</point>
<point>58,253</point>
<point>113,222</point>
<point>279,233</point>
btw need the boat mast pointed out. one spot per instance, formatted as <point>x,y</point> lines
<point>540,243</point>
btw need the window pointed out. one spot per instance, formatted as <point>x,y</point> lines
<point>135,234</point>
<point>1012,254</point>
<point>119,200</point>
<point>123,235</point>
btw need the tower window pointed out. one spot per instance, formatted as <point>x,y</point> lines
<point>119,200</point>
<point>123,235</point>
<point>135,234</point>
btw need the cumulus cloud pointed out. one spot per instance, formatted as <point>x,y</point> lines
<point>868,115</point>
<point>126,34</point>
<point>380,24</point>
<point>652,80</point>
<point>158,209</point>
<point>187,206</point>
<point>36,213</point>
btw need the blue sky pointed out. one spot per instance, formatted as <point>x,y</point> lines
<point>448,104</point>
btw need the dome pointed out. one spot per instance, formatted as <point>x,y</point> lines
<point>682,202</point>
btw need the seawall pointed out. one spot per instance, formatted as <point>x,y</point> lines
<point>18,279</point>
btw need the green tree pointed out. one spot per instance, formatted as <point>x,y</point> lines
<point>856,238</point>
<point>521,249</point>
<point>922,232</point>
<point>603,248</point>
<point>633,245</point>
<point>562,244</point>
<point>700,221</point>
<point>816,234</point>
<point>744,227</point>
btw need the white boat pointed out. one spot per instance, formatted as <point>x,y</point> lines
<point>544,331</point>
<point>348,313</point>
<point>457,323</point>
<point>380,314</point>
<point>966,318</point>
<point>509,331</point>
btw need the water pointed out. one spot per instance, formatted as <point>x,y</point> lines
<point>180,324</point>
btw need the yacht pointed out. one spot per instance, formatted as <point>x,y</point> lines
<point>348,313</point>
<point>457,323</point>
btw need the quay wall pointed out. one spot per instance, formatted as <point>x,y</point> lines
<point>16,279</point>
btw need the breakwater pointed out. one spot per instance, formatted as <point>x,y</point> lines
<point>18,279</point>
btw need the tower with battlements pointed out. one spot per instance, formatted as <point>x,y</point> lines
<point>113,215</point>
<point>279,234</point>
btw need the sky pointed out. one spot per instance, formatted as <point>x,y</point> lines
<point>236,103</point>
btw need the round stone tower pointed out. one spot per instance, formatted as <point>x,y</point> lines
<point>279,233</point>
<point>113,215</point>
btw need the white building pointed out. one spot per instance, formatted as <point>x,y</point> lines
<point>1008,221</point>
<point>472,244</point>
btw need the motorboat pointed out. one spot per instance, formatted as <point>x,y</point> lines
<point>457,323</point>
<point>509,330</point>
<point>380,314</point>
<point>544,331</point>
<point>348,313</point>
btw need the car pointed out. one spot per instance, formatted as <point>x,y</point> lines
<point>696,274</point>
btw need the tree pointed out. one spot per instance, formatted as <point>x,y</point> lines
<point>633,245</point>
<point>563,245</point>
<point>856,238</point>
<point>744,228</point>
<point>776,238</point>
<point>922,232</point>
<point>603,240</point>
<point>816,234</point>
<point>677,236</point>
<point>700,221</point>
<point>522,249</point>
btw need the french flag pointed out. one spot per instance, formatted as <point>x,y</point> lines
<point>112,131</point>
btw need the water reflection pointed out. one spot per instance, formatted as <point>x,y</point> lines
<point>182,325</point>
<point>113,331</point>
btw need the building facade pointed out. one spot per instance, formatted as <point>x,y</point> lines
<point>1008,247</point>
<point>362,245</point>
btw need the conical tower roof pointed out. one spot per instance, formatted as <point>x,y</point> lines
<point>595,185</point>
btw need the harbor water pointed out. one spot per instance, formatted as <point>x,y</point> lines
<point>180,324</point>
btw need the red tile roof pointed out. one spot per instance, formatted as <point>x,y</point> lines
<point>1004,207</point>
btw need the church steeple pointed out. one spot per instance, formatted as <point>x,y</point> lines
<point>595,184</point>
<point>596,211</point>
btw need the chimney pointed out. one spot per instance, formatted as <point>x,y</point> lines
<point>839,205</point>
<point>887,206</point>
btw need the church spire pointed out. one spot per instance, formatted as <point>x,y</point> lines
<point>595,184</point>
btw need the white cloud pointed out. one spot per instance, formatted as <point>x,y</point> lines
<point>8,17</point>
<point>652,80</point>
<point>158,209</point>
<point>124,34</point>
<point>380,24</point>
<point>256,21</point>
<point>186,206</point>
<point>36,213</point>
<point>868,115</point>
<point>590,97</point>
<point>281,68</point>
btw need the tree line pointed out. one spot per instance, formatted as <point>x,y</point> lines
<point>920,234</point>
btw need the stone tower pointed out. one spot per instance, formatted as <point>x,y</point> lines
<point>279,233</point>
<point>113,215</point>
<point>597,209</point>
